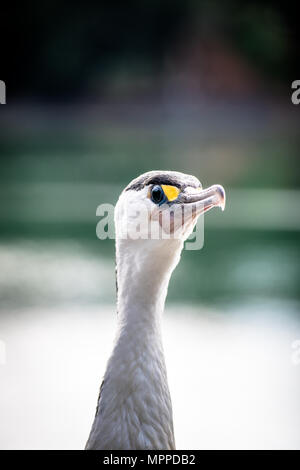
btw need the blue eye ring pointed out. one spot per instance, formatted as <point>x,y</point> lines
<point>157,195</point>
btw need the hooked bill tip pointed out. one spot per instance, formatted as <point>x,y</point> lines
<point>220,191</point>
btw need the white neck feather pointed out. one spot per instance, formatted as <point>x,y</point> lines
<point>134,409</point>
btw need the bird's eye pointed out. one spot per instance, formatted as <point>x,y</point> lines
<point>157,194</point>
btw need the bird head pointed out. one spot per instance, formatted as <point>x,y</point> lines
<point>164,205</point>
<point>154,215</point>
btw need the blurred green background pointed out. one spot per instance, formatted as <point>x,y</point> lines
<point>98,94</point>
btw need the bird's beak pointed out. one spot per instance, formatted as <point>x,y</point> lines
<point>202,200</point>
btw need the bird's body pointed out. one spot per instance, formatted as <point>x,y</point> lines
<point>134,407</point>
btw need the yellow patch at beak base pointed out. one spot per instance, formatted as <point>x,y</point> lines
<point>171,192</point>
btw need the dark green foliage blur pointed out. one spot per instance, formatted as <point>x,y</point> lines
<point>66,50</point>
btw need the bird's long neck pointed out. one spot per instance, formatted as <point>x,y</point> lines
<point>135,409</point>
<point>143,273</point>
